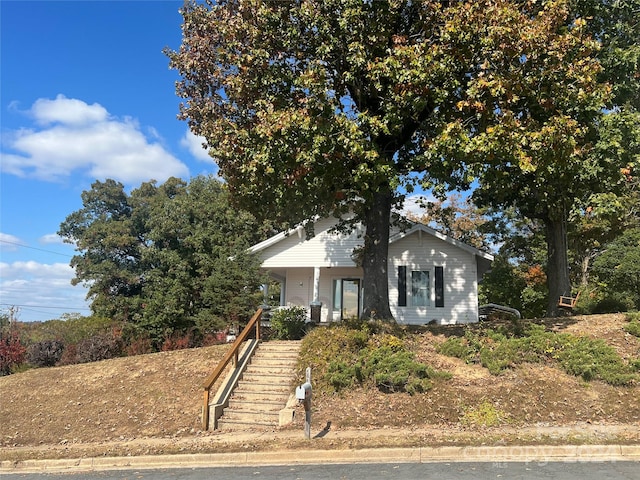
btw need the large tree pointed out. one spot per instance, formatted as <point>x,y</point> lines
<point>327,107</point>
<point>563,89</point>
<point>165,258</point>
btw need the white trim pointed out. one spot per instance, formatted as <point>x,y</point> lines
<point>418,227</point>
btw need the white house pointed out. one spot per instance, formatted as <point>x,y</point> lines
<point>432,277</point>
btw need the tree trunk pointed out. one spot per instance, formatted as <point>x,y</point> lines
<point>557,264</point>
<point>375,283</point>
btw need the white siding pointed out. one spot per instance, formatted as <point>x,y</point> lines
<point>323,250</point>
<point>294,258</point>
<point>425,252</point>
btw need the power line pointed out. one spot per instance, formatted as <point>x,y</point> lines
<point>34,248</point>
<point>43,306</point>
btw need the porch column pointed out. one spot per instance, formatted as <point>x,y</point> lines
<point>316,306</point>
<point>316,284</point>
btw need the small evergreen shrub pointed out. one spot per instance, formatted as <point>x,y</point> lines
<point>580,356</point>
<point>457,347</point>
<point>633,328</point>
<point>289,323</point>
<point>384,362</point>
<point>45,353</point>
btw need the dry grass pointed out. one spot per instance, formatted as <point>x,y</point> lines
<point>151,404</point>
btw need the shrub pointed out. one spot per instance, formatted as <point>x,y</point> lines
<point>139,345</point>
<point>12,352</point>
<point>98,347</point>
<point>457,347</point>
<point>612,305</point>
<point>594,359</point>
<point>498,356</point>
<point>633,328</point>
<point>69,355</point>
<point>45,353</point>
<point>288,323</point>
<point>356,358</point>
<point>178,341</point>
<point>581,356</point>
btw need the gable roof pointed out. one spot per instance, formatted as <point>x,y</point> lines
<point>394,237</point>
<point>277,238</point>
<point>420,228</point>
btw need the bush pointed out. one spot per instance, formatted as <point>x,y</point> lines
<point>343,358</point>
<point>633,327</point>
<point>288,323</point>
<point>98,347</point>
<point>45,353</point>
<point>178,341</point>
<point>12,352</point>
<point>457,347</point>
<point>612,305</point>
<point>580,356</point>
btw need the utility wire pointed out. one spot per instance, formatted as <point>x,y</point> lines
<point>43,306</point>
<point>34,248</point>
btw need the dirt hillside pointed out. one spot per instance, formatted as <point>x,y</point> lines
<point>152,403</point>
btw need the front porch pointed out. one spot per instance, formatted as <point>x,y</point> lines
<point>338,290</point>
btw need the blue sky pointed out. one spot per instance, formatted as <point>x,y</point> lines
<point>86,94</point>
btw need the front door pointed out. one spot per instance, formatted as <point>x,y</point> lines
<point>350,298</point>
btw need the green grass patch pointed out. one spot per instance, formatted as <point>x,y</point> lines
<point>484,415</point>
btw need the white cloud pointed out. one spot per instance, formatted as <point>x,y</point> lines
<point>41,291</point>
<point>73,136</point>
<point>412,204</point>
<point>9,242</point>
<point>51,239</point>
<point>194,143</point>
<point>69,111</point>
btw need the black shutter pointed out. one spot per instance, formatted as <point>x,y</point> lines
<point>439,284</point>
<point>402,286</point>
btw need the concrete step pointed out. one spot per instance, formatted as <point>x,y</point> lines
<point>262,369</point>
<point>264,389</point>
<point>259,396</point>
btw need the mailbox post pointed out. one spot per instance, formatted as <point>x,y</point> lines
<point>303,395</point>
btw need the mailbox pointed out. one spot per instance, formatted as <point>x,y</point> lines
<point>303,392</point>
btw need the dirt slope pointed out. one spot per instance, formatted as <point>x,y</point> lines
<point>153,400</point>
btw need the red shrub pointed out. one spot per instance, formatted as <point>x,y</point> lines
<point>12,352</point>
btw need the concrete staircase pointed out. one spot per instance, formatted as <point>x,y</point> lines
<point>266,386</point>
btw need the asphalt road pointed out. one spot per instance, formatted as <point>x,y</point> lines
<point>372,471</point>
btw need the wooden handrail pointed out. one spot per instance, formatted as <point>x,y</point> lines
<point>231,354</point>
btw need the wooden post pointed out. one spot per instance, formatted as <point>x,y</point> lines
<point>205,410</point>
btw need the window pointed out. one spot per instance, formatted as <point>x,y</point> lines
<point>420,288</point>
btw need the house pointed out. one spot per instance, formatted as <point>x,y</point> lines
<point>432,278</point>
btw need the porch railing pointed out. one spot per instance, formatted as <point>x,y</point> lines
<point>231,355</point>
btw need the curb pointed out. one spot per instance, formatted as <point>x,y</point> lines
<point>501,454</point>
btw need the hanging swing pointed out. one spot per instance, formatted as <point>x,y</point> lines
<point>568,302</point>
